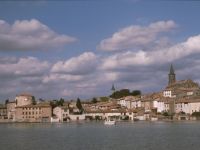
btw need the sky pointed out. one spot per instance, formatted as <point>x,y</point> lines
<point>79,48</point>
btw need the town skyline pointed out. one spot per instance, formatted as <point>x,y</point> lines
<point>81,48</point>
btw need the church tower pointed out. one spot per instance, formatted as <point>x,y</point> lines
<point>171,75</point>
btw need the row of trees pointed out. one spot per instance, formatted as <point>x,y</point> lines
<point>100,99</point>
<point>125,92</point>
<point>56,103</point>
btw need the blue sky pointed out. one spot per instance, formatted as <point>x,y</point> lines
<point>100,40</point>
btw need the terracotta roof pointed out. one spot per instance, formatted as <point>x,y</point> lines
<point>106,111</point>
<point>187,84</point>
<point>25,94</point>
<point>33,106</point>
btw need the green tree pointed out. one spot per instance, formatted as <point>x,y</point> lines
<point>124,92</point>
<point>121,93</point>
<point>165,114</point>
<point>53,103</point>
<point>33,100</point>
<point>6,101</point>
<point>79,105</point>
<point>61,102</point>
<point>136,93</point>
<point>94,100</point>
<point>196,114</point>
<point>104,99</point>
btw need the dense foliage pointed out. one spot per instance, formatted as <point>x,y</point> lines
<point>94,100</point>
<point>56,103</point>
<point>125,92</point>
<point>34,100</point>
<point>104,99</point>
<point>196,114</point>
<point>79,105</point>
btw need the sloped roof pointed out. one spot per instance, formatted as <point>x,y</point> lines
<point>183,84</point>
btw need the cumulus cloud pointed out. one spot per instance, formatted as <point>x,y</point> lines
<point>30,35</point>
<point>55,78</point>
<point>145,58</point>
<point>89,74</point>
<point>136,36</point>
<point>83,64</point>
<point>28,66</point>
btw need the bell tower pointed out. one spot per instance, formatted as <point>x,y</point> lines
<point>171,75</point>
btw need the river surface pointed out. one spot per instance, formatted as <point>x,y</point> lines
<point>97,136</point>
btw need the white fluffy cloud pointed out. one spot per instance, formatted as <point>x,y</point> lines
<point>83,64</point>
<point>30,35</point>
<point>28,66</point>
<point>145,58</point>
<point>55,78</point>
<point>136,36</point>
<point>89,74</point>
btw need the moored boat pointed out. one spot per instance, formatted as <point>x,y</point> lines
<point>110,122</point>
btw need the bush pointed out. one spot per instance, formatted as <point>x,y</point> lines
<point>196,114</point>
<point>165,114</point>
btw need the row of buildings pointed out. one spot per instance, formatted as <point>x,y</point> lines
<point>179,100</point>
<point>23,109</point>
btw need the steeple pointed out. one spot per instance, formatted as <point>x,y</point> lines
<point>113,88</point>
<point>171,75</point>
<point>171,70</point>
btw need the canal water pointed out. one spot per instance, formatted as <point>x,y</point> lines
<point>97,136</point>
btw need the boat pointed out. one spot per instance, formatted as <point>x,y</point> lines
<point>109,122</point>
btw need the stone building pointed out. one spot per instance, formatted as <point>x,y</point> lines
<point>180,88</point>
<point>33,113</point>
<point>23,99</point>
<point>11,110</point>
<point>3,112</point>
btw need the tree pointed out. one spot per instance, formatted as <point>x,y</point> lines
<point>165,114</point>
<point>60,102</point>
<point>94,100</point>
<point>121,93</point>
<point>196,114</point>
<point>136,93</point>
<point>124,92</point>
<point>104,99</point>
<point>6,101</point>
<point>53,104</point>
<point>33,100</point>
<point>79,105</point>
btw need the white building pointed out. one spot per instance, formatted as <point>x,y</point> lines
<point>130,102</point>
<point>159,105</point>
<point>61,112</point>
<point>188,107</point>
<point>167,93</point>
<point>77,117</point>
<point>136,103</point>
